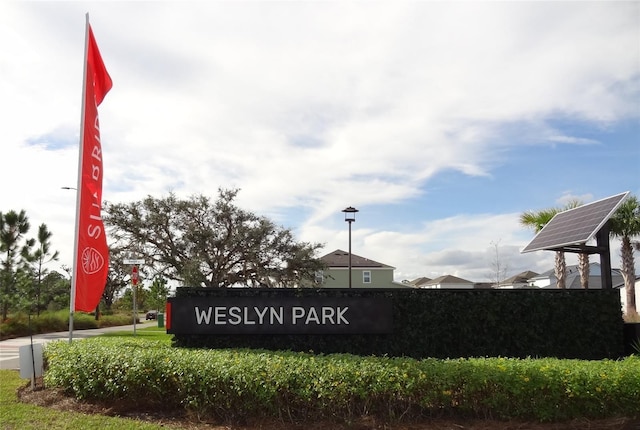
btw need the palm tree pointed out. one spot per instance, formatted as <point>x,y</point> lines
<point>625,224</point>
<point>583,258</point>
<point>537,221</point>
<point>584,269</point>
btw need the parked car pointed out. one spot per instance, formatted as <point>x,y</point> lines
<point>152,315</point>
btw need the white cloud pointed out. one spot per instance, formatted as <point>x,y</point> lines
<point>314,105</point>
<point>568,198</point>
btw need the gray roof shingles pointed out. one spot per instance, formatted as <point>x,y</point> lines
<point>340,258</point>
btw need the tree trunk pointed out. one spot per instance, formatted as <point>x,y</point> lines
<point>561,270</point>
<point>583,268</point>
<point>628,275</point>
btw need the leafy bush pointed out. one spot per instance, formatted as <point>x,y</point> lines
<point>243,384</point>
<point>51,321</point>
<point>14,326</point>
<point>47,322</point>
<point>113,320</point>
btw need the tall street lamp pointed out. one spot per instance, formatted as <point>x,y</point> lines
<point>350,216</point>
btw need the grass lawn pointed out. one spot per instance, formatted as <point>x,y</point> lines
<point>150,333</point>
<point>22,416</point>
<point>17,415</point>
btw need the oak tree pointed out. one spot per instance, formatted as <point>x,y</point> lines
<point>200,242</point>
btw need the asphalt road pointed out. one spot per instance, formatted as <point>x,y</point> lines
<point>9,349</point>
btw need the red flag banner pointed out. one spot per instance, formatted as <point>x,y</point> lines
<point>92,252</point>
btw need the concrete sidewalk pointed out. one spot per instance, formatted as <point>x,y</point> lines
<point>9,355</point>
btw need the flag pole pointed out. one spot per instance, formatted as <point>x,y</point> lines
<point>74,277</point>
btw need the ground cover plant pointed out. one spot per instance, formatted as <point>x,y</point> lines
<point>240,385</point>
<point>21,324</point>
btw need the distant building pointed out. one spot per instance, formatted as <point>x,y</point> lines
<point>521,280</point>
<point>365,273</point>
<point>548,278</point>
<point>418,282</point>
<point>448,281</point>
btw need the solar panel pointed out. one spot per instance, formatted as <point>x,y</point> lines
<point>575,226</point>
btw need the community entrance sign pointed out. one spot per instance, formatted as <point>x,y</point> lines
<point>279,315</point>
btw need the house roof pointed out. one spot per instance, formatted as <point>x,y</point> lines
<point>572,270</point>
<point>419,281</point>
<point>572,280</point>
<point>520,278</point>
<point>340,258</point>
<point>448,279</point>
<point>621,284</point>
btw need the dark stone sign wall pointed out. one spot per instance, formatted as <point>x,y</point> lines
<point>583,324</point>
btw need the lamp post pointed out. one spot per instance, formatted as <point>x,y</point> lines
<point>350,216</point>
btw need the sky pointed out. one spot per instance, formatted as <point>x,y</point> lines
<point>441,122</point>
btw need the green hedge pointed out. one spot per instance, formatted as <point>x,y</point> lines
<point>580,324</point>
<point>249,384</point>
<point>18,325</point>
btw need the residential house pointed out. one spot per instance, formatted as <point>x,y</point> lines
<point>448,281</point>
<point>548,278</point>
<point>365,273</point>
<point>521,280</point>
<point>418,282</point>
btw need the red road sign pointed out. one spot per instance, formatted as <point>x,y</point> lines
<point>134,275</point>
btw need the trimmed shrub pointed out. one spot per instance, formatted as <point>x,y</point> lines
<point>245,384</point>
